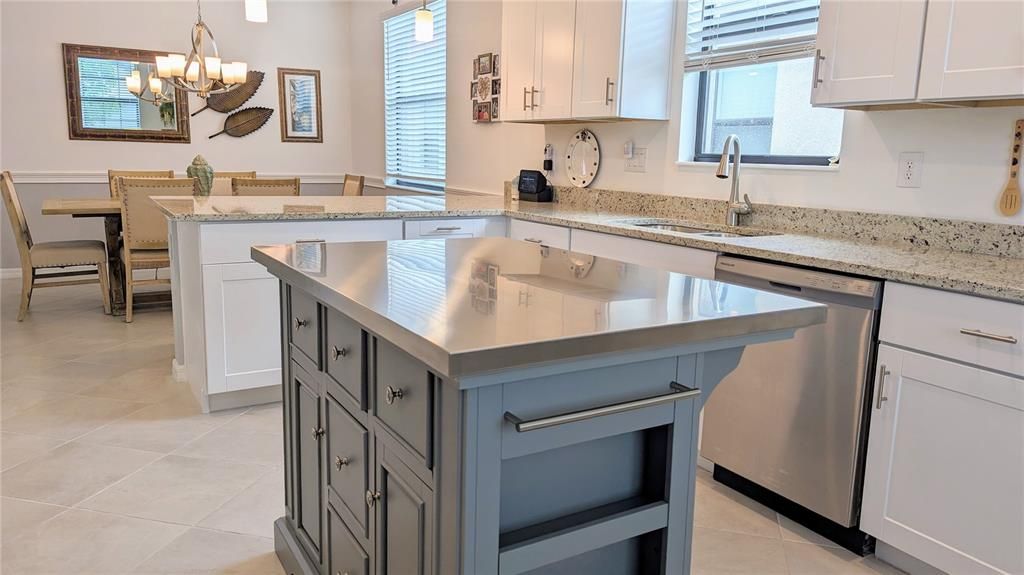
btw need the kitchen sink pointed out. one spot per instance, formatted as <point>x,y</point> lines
<point>670,226</point>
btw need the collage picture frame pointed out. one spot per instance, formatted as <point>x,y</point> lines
<point>485,89</point>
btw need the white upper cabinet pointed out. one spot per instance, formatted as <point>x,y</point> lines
<point>873,52</point>
<point>855,66</point>
<point>973,49</point>
<point>586,59</point>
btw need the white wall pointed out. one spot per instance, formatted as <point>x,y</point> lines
<point>966,155</point>
<point>299,35</point>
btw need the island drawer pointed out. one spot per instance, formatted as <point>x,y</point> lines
<point>404,398</point>
<point>303,323</point>
<point>975,330</point>
<point>348,463</point>
<point>344,357</point>
<point>345,555</point>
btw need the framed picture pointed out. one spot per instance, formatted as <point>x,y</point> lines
<point>482,111</point>
<point>484,63</point>
<point>476,68</point>
<point>299,95</point>
<point>484,88</point>
<point>494,109</point>
<point>474,90</point>
<point>496,86</point>
<point>495,68</point>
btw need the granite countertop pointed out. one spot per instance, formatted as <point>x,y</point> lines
<point>978,274</point>
<point>477,305</point>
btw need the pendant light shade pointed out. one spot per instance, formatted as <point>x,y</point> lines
<point>256,10</point>
<point>424,24</point>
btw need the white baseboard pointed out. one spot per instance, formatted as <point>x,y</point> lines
<point>178,371</point>
<point>903,561</point>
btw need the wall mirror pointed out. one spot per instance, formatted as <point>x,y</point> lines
<point>100,106</point>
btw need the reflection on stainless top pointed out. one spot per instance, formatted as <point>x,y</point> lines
<point>473,305</point>
<point>240,208</point>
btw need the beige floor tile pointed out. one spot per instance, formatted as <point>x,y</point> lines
<point>718,507</point>
<point>18,515</point>
<point>68,417</point>
<point>176,489</point>
<point>793,531</point>
<point>724,553</point>
<point>263,418</point>
<point>72,472</point>
<point>253,511</point>
<point>238,445</point>
<point>15,366</point>
<point>200,552</point>
<point>142,352</point>
<point>875,565</point>
<point>85,542</point>
<point>16,448</point>
<point>73,377</point>
<point>161,427</point>
<point>15,399</point>
<point>146,385</point>
<point>805,559</point>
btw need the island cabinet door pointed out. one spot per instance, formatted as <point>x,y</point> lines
<point>349,467</point>
<point>344,359</point>
<point>345,555</point>
<point>307,458</point>
<point>405,518</point>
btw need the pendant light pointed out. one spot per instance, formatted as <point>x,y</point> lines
<point>256,11</point>
<point>424,24</point>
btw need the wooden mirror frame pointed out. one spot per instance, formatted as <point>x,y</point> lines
<point>78,132</point>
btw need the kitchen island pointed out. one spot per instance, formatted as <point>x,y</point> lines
<point>486,406</point>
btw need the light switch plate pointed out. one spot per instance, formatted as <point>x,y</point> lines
<point>638,163</point>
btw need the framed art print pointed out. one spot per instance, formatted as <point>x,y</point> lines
<point>299,93</point>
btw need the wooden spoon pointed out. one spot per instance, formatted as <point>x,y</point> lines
<point>1009,202</point>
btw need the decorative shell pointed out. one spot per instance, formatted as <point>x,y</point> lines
<point>201,171</point>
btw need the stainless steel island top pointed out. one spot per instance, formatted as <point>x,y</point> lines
<point>472,306</point>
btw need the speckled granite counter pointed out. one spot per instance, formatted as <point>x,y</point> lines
<point>972,273</point>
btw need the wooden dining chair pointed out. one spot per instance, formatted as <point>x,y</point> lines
<point>113,175</point>
<point>264,187</point>
<point>353,185</point>
<point>222,181</point>
<point>51,255</point>
<point>145,229</point>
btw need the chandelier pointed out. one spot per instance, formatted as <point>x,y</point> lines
<point>201,72</point>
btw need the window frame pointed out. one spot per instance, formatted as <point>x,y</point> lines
<point>699,155</point>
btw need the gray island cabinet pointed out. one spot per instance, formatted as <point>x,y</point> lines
<point>490,406</point>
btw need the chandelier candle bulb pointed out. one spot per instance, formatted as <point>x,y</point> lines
<point>177,63</point>
<point>213,68</point>
<point>155,85</point>
<point>163,66</point>
<point>256,11</point>
<point>193,72</point>
<point>241,71</point>
<point>134,82</point>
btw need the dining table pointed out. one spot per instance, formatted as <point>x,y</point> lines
<point>110,210</point>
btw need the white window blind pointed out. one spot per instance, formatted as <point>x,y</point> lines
<point>724,33</point>
<point>414,101</point>
<point>106,101</point>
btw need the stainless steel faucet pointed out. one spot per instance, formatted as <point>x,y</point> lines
<point>736,207</point>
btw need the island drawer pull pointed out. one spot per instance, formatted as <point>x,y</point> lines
<point>337,352</point>
<point>533,240</point>
<point>678,392</point>
<point>300,323</point>
<point>992,336</point>
<point>448,229</point>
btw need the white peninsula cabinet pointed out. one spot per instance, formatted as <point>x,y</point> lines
<point>689,261</point>
<point>586,59</point>
<point>944,480</point>
<point>918,51</point>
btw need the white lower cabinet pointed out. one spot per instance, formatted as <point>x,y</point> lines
<point>944,480</point>
<point>543,234</point>
<point>456,228</point>
<point>689,261</point>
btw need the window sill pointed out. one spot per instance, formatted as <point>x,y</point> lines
<point>711,166</point>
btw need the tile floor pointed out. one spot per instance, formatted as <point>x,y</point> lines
<point>109,467</point>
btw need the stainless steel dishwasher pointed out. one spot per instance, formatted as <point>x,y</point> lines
<point>792,418</point>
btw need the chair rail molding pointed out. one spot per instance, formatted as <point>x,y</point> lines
<point>55,177</point>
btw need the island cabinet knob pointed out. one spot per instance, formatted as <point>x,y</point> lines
<point>393,394</point>
<point>336,353</point>
<point>300,323</point>
<point>317,433</point>
<point>340,462</point>
<point>372,497</point>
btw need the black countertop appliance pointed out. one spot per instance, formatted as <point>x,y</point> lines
<point>533,187</point>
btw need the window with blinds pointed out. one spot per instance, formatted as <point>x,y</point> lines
<point>414,101</point>
<point>106,101</point>
<point>754,60</point>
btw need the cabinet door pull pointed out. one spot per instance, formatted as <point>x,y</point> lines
<point>340,462</point>
<point>533,97</point>
<point>992,336</point>
<point>678,392</point>
<point>336,352</point>
<point>608,91</point>
<point>317,433</point>
<point>372,497</point>
<point>393,394</point>
<point>818,59</point>
<point>525,91</point>
<point>883,372</point>
<point>300,323</point>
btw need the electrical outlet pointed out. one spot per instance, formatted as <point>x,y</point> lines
<point>637,163</point>
<point>908,170</point>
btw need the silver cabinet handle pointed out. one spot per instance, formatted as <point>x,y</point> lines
<point>393,394</point>
<point>608,91</point>
<point>992,336</point>
<point>317,433</point>
<point>336,352</point>
<point>340,462</point>
<point>678,392</point>
<point>446,229</point>
<point>818,59</point>
<point>883,372</point>
<point>300,323</point>
<point>533,97</point>
<point>372,497</point>
<point>525,91</point>
<point>533,240</point>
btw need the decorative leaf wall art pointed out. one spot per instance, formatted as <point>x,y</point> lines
<point>234,99</point>
<point>245,121</point>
